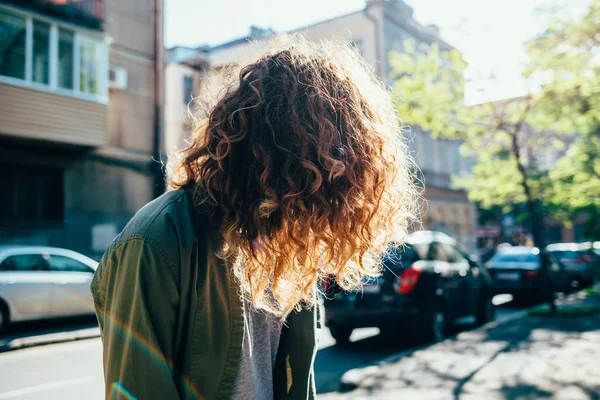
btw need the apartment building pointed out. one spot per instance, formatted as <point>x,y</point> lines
<point>380,28</point>
<point>78,111</point>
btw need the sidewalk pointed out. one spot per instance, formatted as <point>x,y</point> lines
<point>540,356</point>
<point>40,333</point>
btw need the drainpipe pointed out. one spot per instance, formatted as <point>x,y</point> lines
<point>378,66</point>
<point>158,183</point>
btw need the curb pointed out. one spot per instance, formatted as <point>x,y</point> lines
<point>49,338</point>
<point>352,378</point>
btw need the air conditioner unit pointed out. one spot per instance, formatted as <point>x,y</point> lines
<point>117,78</point>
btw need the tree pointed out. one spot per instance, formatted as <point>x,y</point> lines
<point>576,184</point>
<point>428,91</point>
<point>517,142</point>
<point>567,55</point>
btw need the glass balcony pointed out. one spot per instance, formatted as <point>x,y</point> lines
<point>93,8</point>
<point>87,13</point>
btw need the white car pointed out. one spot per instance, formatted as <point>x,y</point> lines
<point>43,282</point>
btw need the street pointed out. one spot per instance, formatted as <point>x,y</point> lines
<point>541,354</point>
<point>73,370</point>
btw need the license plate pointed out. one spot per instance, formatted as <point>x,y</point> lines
<point>367,288</point>
<point>371,288</point>
<point>508,276</point>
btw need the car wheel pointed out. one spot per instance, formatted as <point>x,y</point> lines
<point>587,282</point>
<point>435,328</point>
<point>486,310</point>
<point>4,318</point>
<point>341,334</point>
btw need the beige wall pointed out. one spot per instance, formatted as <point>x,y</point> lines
<point>177,121</point>
<point>130,26</point>
<point>32,114</point>
<point>452,212</point>
<point>131,111</point>
<point>356,27</point>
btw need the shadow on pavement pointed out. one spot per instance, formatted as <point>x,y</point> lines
<point>536,357</point>
<point>333,361</point>
<point>24,330</point>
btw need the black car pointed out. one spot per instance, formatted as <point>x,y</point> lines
<point>581,263</point>
<point>425,286</point>
<point>527,273</point>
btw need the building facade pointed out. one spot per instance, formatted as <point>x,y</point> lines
<point>77,119</point>
<point>377,30</point>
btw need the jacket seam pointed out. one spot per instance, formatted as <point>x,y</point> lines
<point>173,201</point>
<point>236,324</point>
<point>155,246</point>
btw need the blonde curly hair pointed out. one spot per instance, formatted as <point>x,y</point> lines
<point>304,167</point>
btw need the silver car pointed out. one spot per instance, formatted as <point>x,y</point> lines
<point>43,282</point>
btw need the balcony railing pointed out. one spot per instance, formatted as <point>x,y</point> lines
<point>89,13</point>
<point>93,8</point>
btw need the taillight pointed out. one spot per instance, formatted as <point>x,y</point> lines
<point>408,279</point>
<point>532,274</point>
<point>583,259</point>
<point>328,284</point>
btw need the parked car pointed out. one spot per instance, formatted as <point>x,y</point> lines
<point>580,261</point>
<point>527,273</point>
<point>43,282</point>
<point>425,286</point>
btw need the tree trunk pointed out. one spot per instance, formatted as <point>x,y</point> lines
<point>537,223</point>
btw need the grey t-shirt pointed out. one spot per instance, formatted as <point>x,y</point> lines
<point>259,350</point>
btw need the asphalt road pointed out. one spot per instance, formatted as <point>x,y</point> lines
<point>73,370</point>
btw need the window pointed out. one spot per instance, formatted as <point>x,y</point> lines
<point>456,159</point>
<point>65,58</point>
<point>91,55</point>
<point>443,150</point>
<point>40,69</point>
<point>13,35</point>
<point>188,89</point>
<point>31,193</point>
<point>402,256</point>
<point>454,255</point>
<point>23,263</point>
<point>427,151</point>
<point>436,252</point>
<point>67,264</point>
<point>48,56</point>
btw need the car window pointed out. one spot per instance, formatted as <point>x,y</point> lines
<point>436,252</point>
<point>568,254</point>
<point>24,262</point>
<point>454,255</point>
<point>402,256</point>
<point>67,264</point>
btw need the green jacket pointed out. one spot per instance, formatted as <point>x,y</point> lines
<point>171,317</point>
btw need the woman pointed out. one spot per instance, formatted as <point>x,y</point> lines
<point>298,172</point>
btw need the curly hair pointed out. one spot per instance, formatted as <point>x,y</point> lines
<point>304,167</point>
